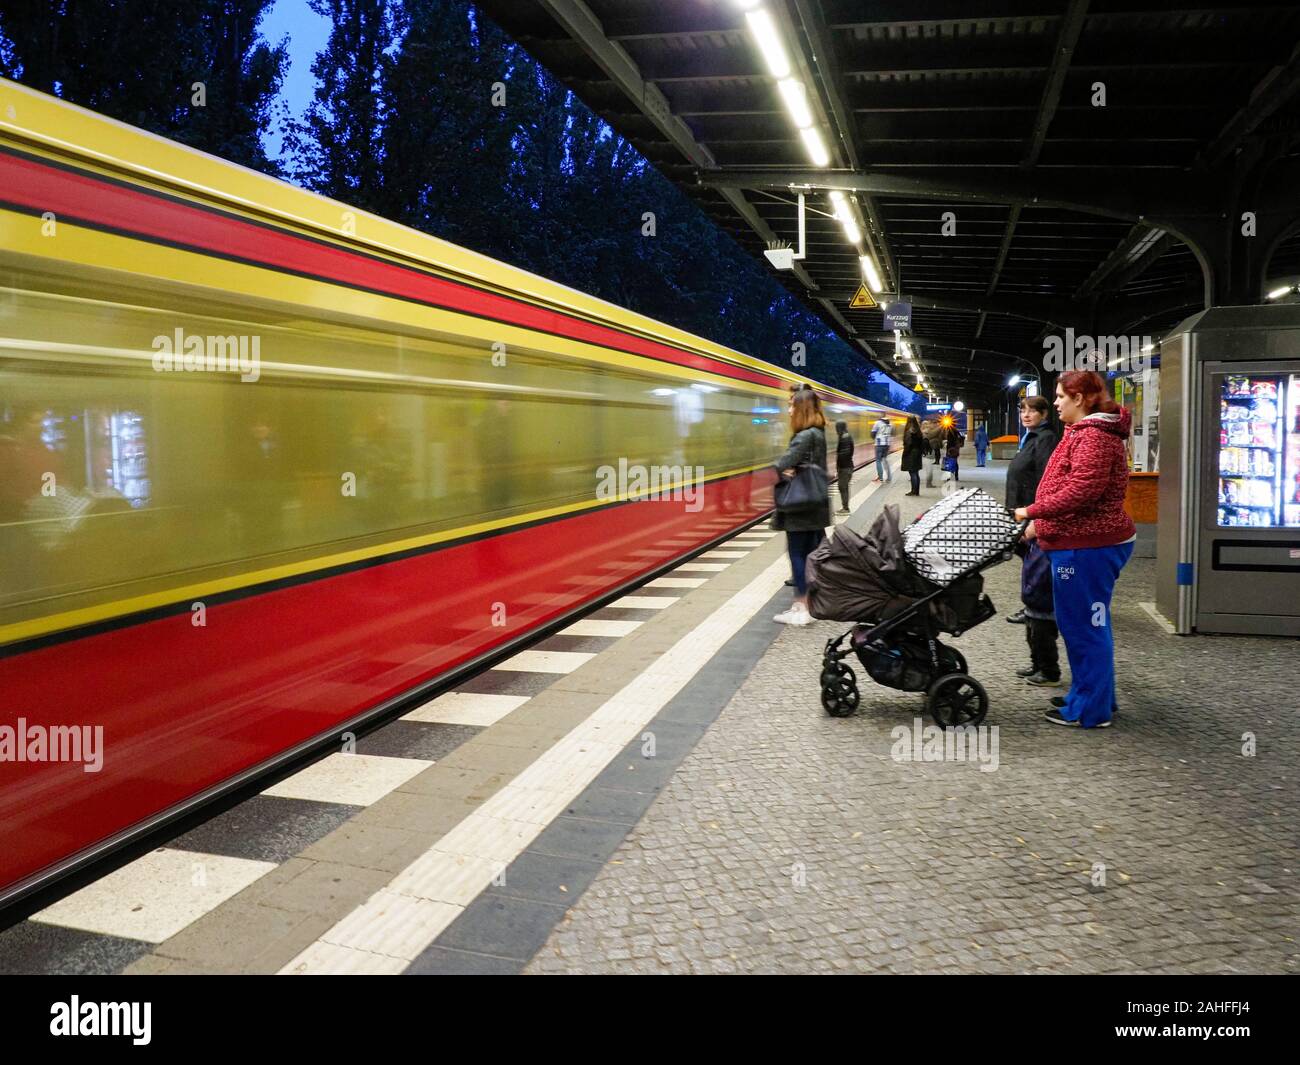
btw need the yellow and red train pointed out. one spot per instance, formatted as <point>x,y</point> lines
<point>270,466</point>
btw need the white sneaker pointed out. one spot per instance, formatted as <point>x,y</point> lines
<point>796,615</point>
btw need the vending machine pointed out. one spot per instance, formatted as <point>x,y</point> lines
<point>1228,543</point>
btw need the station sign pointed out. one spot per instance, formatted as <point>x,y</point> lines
<point>898,315</point>
<point>932,408</point>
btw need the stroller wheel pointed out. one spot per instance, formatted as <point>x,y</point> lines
<point>957,699</point>
<point>839,690</point>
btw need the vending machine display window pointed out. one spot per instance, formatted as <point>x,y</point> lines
<point>1259,451</point>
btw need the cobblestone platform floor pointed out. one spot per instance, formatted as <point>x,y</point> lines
<point>789,841</point>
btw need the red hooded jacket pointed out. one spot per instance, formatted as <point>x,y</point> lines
<point>1080,500</point>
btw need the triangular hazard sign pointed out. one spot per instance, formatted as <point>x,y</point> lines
<point>861,298</point>
<point>918,388</point>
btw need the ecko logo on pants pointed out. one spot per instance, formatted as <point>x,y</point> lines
<point>1065,572</point>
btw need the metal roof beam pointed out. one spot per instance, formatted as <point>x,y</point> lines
<point>1118,192</point>
<point>1276,88</point>
<point>579,22</point>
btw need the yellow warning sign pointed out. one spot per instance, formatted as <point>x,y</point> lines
<point>918,388</point>
<point>861,298</point>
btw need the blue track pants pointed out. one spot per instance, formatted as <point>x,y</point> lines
<point>1083,580</point>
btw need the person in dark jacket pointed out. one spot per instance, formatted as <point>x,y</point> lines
<point>804,529</point>
<point>953,442</point>
<point>914,446</point>
<point>844,463</point>
<point>1026,469</point>
<point>981,444</point>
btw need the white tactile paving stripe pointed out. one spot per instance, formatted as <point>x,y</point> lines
<point>466,708</point>
<point>701,567</point>
<point>492,837</point>
<point>645,602</point>
<point>723,554</point>
<point>598,627</point>
<point>155,896</point>
<point>353,779</point>
<point>676,582</point>
<point>546,661</point>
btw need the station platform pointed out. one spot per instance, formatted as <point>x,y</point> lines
<point>657,789</point>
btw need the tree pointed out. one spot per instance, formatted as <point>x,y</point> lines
<point>141,60</point>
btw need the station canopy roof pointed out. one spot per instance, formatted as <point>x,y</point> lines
<point>1051,136</point>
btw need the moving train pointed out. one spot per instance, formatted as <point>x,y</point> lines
<point>271,467</point>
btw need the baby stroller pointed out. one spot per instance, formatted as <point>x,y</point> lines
<point>904,588</point>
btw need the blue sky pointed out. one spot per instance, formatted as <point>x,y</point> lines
<point>307,33</point>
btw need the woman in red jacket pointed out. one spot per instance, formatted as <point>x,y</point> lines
<point>1079,520</point>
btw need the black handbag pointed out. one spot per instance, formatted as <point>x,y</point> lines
<point>808,489</point>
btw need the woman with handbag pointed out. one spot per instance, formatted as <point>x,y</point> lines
<point>803,501</point>
<point>914,446</point>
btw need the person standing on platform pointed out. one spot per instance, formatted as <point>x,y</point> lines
<point>914,447</point>
<point>1027,467</point>
<point>882,431</point>
<point>844,463</point>
<point>953,442</point>
<point>804,527</point>
<point>1078,517</point>
<point>981,444</point>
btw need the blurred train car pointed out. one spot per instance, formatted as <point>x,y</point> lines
<point>270,467</point>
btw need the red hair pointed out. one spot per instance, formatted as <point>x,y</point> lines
<point>1091,387</point>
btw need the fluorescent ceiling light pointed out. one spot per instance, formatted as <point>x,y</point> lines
<point>1277,292</point>
<point>747,5</point>
<point>769,43</point>
<point>663,392</point>
<point>852,232</point>
<point>796,101</point>
<point>1014,381</point>
<point>812,141</point>
<point>869,271</point>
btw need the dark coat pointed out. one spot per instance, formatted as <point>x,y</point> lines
<point>844,449</point>
<point>808,447</point>
<point>1026,469</point>
<point>913,452</point>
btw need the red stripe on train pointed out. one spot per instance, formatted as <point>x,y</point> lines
<point>45,188</point>
<point>184,708</point>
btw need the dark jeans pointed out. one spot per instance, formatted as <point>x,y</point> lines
<point>916,480</point>
<point>1040,633</point>
<point>801,545</point>
<point>845,476</point>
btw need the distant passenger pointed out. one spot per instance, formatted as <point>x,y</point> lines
<point>882,431</point>
<point>981,444</point>
<point>914,448</point>
<point>803,466</point>
<point>953,442</point>
<point>844,463</point>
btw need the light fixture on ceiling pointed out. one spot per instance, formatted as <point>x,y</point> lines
<point>870,272</point>
<point>769,43</point>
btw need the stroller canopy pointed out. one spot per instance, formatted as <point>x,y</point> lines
<point>960,531</point>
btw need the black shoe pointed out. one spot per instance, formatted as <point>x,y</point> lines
<point>1018,618</point>
<point>1054,716</point>
<point>1043,681</point>
<point>1058,701</point>
<point>789,584</point>
<point>1028,671</point>
<point>844,510</point>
